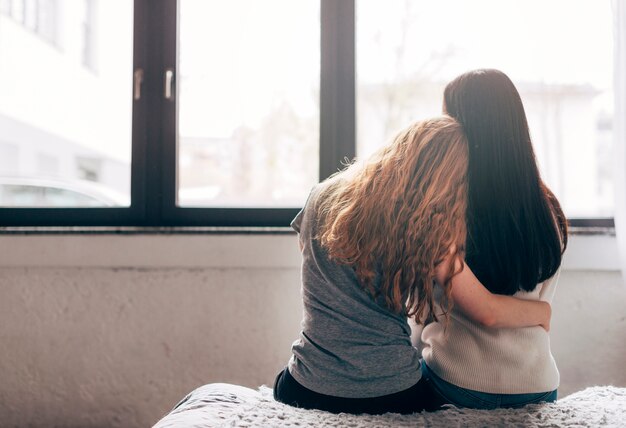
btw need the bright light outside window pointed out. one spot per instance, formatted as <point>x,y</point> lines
<point>558,54</point>
<point>66,132</point>
<point>249,102</point>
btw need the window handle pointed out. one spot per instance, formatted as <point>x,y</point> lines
<point>137,81</point>
<point>169,81</point>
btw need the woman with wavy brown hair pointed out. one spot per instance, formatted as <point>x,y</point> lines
<point>375,238</point>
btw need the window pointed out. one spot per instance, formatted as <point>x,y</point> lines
<point>225,113</point>
<point>60,122</point>
<point>248,119</point>
<point>568,96</point>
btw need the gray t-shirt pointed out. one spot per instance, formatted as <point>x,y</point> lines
<point>349,346</point>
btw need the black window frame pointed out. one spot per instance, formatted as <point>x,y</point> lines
<point>154,132</point>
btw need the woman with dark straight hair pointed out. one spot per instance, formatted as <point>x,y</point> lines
<point>517,231</point>
<point>516,235</point>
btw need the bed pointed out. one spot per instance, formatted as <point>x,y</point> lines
<point>226,405</point>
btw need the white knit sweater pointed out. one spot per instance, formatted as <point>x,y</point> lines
<point>493,360</point>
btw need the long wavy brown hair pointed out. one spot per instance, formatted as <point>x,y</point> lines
<point>397,215</point>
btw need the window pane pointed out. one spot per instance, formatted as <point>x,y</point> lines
<point>249,102</point>
<point>66,130</point>
<point>408,50</point>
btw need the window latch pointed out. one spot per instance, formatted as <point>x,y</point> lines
<point>168,92</point>
<point>137,81</point>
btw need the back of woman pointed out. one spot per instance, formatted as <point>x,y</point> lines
<point>494,361</point>
<point>338,352</point>
<point>371,239</point>
<point>516,234</point>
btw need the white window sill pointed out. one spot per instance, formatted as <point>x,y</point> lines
<point>217,250</point>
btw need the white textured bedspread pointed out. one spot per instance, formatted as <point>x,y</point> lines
<point>225,405</point>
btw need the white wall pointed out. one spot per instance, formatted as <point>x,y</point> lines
<point>112,330</point>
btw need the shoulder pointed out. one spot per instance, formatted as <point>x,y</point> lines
<point>319,193</point>
<point>308,213</point>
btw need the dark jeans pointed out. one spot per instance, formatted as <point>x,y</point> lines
<point>415,399</point>
<point>461,397</point>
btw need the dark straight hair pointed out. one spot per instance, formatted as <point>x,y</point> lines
<point>516,230</point>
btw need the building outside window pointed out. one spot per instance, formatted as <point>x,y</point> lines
<point>65,123</point>
<point>223,107</point>
<point>90,15</point>
<point>38,16</point>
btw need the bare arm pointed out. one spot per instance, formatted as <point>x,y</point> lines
<point>493,310</point>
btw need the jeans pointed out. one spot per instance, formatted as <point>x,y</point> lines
<point>415,399</point>
<point>461,397</point>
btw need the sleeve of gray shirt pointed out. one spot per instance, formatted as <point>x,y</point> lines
<point>296,223</point>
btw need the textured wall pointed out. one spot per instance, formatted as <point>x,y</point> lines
<point>588,331</point>
<point>117,347</point>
